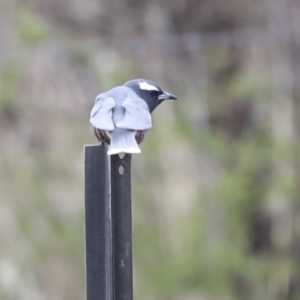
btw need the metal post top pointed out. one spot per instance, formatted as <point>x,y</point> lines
<point>108,224</point>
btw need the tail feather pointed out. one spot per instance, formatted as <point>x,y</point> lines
<point>123,140</point>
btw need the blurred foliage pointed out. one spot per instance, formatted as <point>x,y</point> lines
<point>9,86</point>
<point>31,26</point>
<point>215,191</point>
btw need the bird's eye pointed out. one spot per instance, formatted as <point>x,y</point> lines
<point>154,93</point>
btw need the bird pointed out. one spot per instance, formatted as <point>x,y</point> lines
<point>121,116</point>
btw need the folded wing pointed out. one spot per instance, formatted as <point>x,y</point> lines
<point>101,114</point>
<point>137,115</point>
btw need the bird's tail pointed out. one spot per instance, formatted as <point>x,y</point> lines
<point>123,140</point>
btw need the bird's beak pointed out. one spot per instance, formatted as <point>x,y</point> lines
<point>167,96</point>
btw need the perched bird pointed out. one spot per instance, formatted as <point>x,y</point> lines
<point>122,115</point>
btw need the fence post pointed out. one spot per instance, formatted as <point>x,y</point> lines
<point>108,225</point>
<point>121,225</point>
<point>97,224</point>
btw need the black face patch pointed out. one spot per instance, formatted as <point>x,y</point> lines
<point>155,93</point>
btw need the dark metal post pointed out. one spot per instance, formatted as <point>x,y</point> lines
<point>98,224</point>
<point>121,225</point>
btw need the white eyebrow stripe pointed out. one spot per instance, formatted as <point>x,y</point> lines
<point>148,87</point>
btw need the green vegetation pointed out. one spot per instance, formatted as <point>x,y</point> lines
<point>215,190</point>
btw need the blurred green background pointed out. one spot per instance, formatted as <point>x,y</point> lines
<point>216,206</point>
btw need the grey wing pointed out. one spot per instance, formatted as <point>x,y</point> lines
<point>137,115</point>
<point>101,114</point>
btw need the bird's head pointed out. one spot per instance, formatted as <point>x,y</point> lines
<point>150,92</point>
